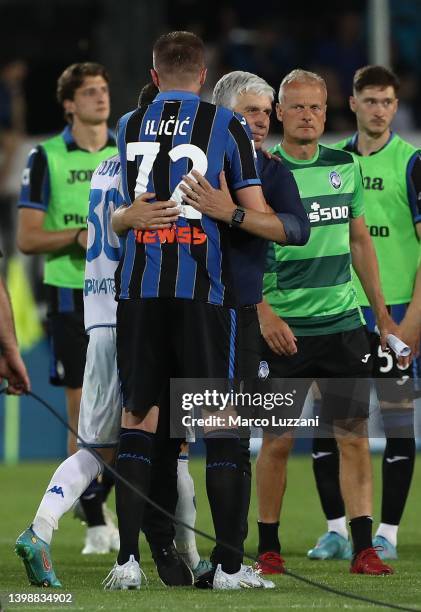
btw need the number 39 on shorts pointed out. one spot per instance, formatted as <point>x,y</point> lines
<point>149,152</point>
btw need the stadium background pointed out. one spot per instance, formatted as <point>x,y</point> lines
<point>39,39</point>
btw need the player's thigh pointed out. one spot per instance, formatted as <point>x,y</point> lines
<point>68,342</point>
<point>249,345</point>
<point>100,407</point>
<point>345,385</point>
<point>288,381</point>
<point>143,352</point>
<point>206,340</point>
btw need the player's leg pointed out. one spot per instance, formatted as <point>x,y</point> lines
<point>99,425</point>
<point>215,328</point>
<point>142,370</point>
<point>69,345</point>
<point>334,544</point>
<point>271,465</point>
<point>271,474</point>
<point>346,406</point>
<point>158,528</point>
<point>185,539</point>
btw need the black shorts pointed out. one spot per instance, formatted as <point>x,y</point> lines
<point>159,339</point>
<point>339,363</point>
<point>393,383</point>
<point>249,344</point>
<point>68,340</point>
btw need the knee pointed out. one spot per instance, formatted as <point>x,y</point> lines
<point>276,449</point>
<point>351,446</point>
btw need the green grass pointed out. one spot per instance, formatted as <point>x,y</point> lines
<point>302,523</point>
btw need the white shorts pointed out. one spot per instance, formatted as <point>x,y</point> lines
<point>100,406</point>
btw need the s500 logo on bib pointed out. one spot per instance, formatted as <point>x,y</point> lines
<point>332,213</point>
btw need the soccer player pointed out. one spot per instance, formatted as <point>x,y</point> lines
<point>12,367</point>
<point>252,97</point>
<point>310,318</point>
<point>391,171</point>
<point>176,291</point>
<point>53,207</point>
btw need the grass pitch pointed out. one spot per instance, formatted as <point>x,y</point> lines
<point>302,522</point>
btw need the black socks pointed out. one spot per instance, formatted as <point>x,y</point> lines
<point>134,460</point>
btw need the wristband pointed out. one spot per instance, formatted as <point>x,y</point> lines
<point>76,238</point>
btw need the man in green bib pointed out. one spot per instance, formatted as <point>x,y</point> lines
<point>311,321</point>
<point>53,208</point>
<point>391,171</point>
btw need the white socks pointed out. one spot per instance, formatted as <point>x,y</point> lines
<point>69,481</point>
<point>185,539</point>
<point>339,526</point>
<point>390,532</point>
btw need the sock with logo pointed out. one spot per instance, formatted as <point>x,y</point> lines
<point>326,471</point>
<point>134,459</point>
<point>268,537</point>
<point>185,539</point>
<point>224,476</point>
<point>69,481</point>
<point>91,502</point>
<point>397,470</point>
<point>361,531</point>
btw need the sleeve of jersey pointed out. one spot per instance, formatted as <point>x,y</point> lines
<point>285,200</point>
<point>35,185</point>
<point>413,182</point>
<point>357,204</point>
<point>241,156</point>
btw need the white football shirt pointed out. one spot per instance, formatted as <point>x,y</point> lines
<point>104,247</point>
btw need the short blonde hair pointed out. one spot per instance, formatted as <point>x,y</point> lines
<point>301,76</point>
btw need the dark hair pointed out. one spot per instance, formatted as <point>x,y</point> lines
<point>147,94</point>
<point>73,77</point>
<point>179,53</point>
<point>375,76</point>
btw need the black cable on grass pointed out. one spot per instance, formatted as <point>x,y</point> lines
<point>313,583</point>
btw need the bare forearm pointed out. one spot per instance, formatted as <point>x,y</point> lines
<point>36,241</point>
<point>413,313</point>
<point>365,264</point>
<point>8,342</point>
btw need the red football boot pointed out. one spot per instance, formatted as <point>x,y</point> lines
<point>368,562</point>
<point>270,563</point>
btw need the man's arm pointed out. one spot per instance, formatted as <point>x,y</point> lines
<point>276,331</point>
<point>410,326</point>
<point>33,206</point>
<point>32,238</point>
<point>11,364</point>
<point>142,215</point>
<point>218,204</point>
<point>364,261</point>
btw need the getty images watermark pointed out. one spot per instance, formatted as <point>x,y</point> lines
<point>232,404</point>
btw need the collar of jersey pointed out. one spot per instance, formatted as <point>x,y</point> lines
<point>303,162</point>
<point>176,95</point>
<point>354,144</point>
<point>71,144</point>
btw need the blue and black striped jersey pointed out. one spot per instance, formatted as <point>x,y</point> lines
<point>158,144</point>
